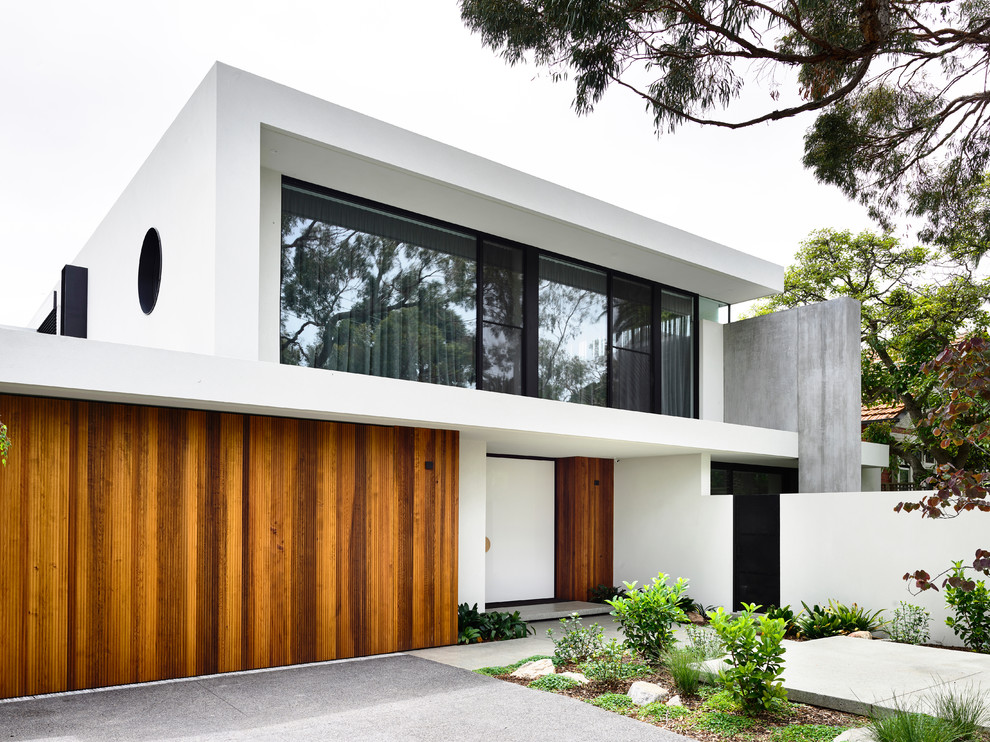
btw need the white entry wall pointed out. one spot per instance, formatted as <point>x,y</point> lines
<point>519,522</point>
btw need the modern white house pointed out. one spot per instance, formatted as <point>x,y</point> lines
<point>315,380</point>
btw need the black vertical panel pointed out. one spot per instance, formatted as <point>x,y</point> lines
<point>755,550</point>
<point>75,300</point>
<point>656,345</point>
<point>531,323</point>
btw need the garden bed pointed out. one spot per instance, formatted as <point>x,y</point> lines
<point>707,716</point>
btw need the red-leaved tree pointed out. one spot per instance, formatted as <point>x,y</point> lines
<point>961,423</point>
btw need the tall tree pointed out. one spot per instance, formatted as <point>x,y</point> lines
<point>915,301</point>
<point>897,85</point>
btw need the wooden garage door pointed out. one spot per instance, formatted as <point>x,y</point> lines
<point>141,543</point>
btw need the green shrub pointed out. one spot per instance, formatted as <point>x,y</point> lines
<point>683,665</point>
<point>971,622</point>
<point>660,712</point>
<point>705,643</point>
<point>909,624</point>
<point>853,618</point>
<point>612,702</point>
<point>722,724</point>
<point>755,658</point>
<point>606,665</point>
<point>475,626</point>
<point>806,733</point>
<point>577,643</point>
<point>647,615</point>
<point>785,613</point>
<point>817,623</point>
<point>553,683</point>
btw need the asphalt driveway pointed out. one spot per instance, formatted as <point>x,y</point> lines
<point>395,697</point>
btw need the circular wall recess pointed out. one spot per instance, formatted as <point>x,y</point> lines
<point>150,271</point>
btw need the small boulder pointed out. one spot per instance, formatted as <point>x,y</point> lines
<point>696,618</point>
<point>673,701</point>
<point>860,734</point>
<point>643,693</point>
<point>534,669</point>
<point>577,677</point>
<point>860,635</point>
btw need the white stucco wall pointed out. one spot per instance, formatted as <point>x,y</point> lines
<point>174,191</point>
<point>519,522</point>
<point>711,374</point>
<point>471,522</point>
<point>666,520</point>
<point>853,547</point>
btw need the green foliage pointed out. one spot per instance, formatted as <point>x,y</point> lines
<point>854,618</point>
<point>604,593</point>
<point>496,670</point>
<point>786,615</point>
<point>908,316</point>
<point>4,444</point>
<point>806,733</point>
<point>647,615</point>
<point>723,724</point>
<point>683,665</point>
<point>909,624</point>
<point>958,717</point>
<point>705,643</point>
<point>886,133</point>
<point>577,643</point>
<point>970,602</point>
<point>474,626</point>
<point>817,622</point>
<point>553,683</point>
<point>755,657</point>
<point>612,702</point>
<point>606,664</point>
<point>657,711</point>
<point>721,700</point>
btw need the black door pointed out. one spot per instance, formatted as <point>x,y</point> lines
<point>755,550</point>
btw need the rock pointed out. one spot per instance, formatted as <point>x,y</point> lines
<point>576,676</point>
<point>860,635</point>
<point>533,670</point>
<point>673,701</point>
<point>643,693</point>
<point>860,734</point>
<point>696,618</point>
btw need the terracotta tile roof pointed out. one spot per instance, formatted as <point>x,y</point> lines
<point>881,413</point>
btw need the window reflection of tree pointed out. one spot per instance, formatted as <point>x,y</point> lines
<point>353,301</point>
<point>567,313</point>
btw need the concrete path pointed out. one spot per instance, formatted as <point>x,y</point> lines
<point>853,674</point>
<point>394,697</point>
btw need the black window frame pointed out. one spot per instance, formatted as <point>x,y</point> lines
<point>530,309</point>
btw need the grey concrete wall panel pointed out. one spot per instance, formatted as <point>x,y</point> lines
<point>799,370</point>
<point>829,400</point>
<point>760,376</point>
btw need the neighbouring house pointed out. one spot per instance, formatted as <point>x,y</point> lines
<point>900,476</point>
<point>315,380</point>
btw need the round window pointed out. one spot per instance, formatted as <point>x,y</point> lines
<point>150,271</point>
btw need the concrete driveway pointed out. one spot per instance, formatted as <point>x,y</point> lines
<point>394,697</point>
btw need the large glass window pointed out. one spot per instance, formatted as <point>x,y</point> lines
<point>502,319</point>
<point>677,354</point>
<point>573,332</point>
<point>371,290</point>
<point>632,345</point>
<point>742,479</point>
<point>374,293</point>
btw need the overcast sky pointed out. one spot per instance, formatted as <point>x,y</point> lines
<point>88,89</point>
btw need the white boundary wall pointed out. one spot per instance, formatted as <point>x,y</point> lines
<point>853,547</point>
